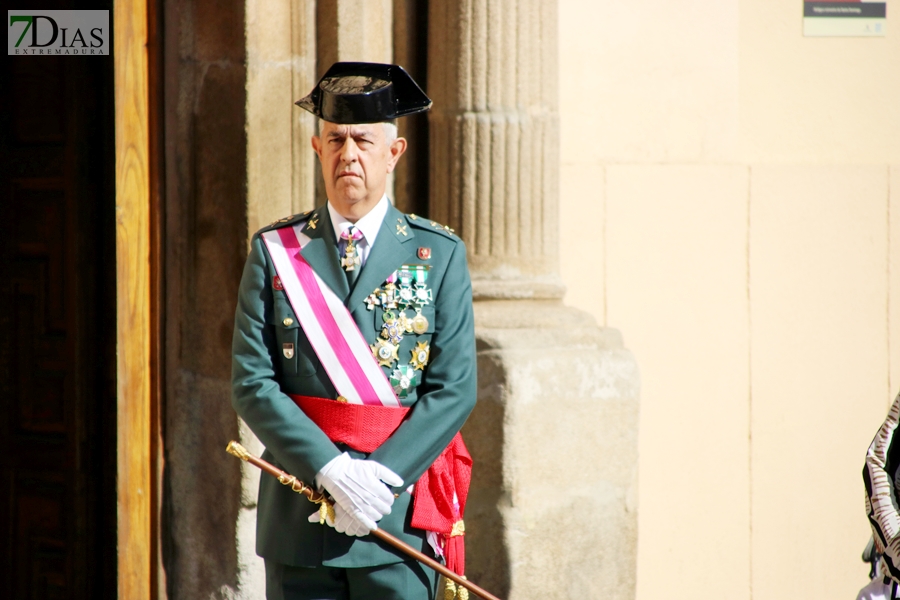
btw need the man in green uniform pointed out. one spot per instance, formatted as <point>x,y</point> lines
<point>405,282</point>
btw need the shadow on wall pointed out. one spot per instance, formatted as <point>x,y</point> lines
<point>205,246</point>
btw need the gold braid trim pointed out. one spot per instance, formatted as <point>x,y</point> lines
<point>326,510</point>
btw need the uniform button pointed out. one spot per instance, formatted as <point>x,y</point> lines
<point>288,321</point>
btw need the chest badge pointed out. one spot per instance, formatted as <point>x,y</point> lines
<point>384,352</point>
<point>287,350</point>
<point>276,283</point>
<point>424,253</point>
<point>403,380</point>
<point>420,356</point>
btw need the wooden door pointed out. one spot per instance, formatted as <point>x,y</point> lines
<point>57,329</point>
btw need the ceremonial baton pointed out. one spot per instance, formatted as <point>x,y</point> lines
<point>325,504</point>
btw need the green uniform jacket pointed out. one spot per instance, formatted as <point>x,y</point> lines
<point>262,376</point>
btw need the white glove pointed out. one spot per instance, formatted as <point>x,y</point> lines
<point>356,485</point>
<point>343,522</point>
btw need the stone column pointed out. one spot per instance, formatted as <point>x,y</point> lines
<point>281,60</point>
<point>554,435</point>
<point>495,140</point>
<point>350,30</point>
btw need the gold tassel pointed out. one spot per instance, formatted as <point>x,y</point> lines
<point>455,592</point>
<point>461,592</point>
<point>449,590</point>
<point>326,513</point>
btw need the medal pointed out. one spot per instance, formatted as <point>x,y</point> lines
<point>392,331</point>
<point>288,350</point>
<point>405,322</point>
<point>410,289</point>
<point>404,379</point>
<point>420,356</point>
<point>419,323</point>
<point>384,352</point>
<point>389,296</point>
<point>350,260</point>
<point>422,295</point>
<point>373,299</point>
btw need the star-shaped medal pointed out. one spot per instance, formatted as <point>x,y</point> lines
<point>392,330</point>
<point>420,356</point>
<point>384,352</point>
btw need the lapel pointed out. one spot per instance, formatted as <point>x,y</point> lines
<point>322,254</point>
<point>391,250</point>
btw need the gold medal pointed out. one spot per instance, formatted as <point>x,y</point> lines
<point>405,322</point>
<point>384,352</point>
<point>419,323</point>
<point>420,356</point>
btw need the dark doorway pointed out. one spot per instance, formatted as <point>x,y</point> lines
<point>57,328</point>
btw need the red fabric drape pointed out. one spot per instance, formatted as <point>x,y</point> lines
<point>439,498</point>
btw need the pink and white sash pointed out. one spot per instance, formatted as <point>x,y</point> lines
<point>327,323</point>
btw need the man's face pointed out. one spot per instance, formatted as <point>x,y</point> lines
<point>356,160</point>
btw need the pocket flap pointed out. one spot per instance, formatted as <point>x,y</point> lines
<point>283,315</point>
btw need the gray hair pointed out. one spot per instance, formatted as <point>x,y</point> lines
<point>390,130</point>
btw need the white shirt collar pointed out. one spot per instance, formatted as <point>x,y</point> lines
<point>369,224</point>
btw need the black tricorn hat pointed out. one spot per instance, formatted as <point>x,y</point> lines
<point>359,92</point>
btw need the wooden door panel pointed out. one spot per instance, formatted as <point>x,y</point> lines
<point>37,117</point>
<point>41,520</point>
<point>41,345</point>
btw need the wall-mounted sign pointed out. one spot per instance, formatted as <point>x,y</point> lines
<point>829,18</point>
